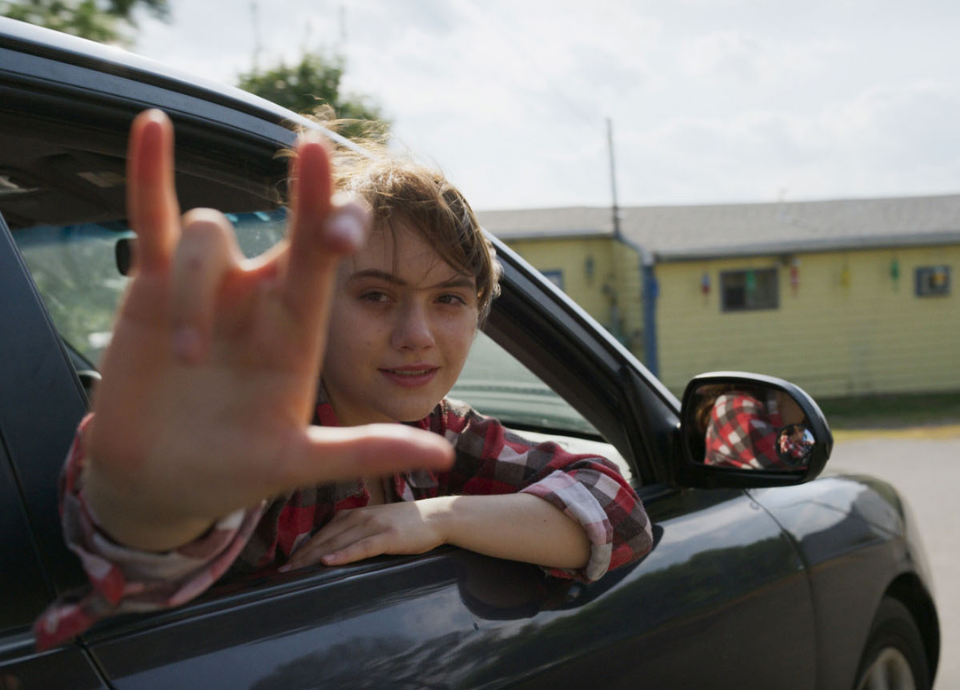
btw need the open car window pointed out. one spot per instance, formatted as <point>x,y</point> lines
<point>76,271</point>
<point>494,383</point>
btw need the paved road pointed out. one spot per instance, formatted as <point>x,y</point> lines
<point>925,466</point>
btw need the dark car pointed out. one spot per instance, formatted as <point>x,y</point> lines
<point>760,576</point>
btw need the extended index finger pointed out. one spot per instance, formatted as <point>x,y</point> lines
<point>152,207</point>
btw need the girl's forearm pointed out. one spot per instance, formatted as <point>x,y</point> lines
<point>519,527</point>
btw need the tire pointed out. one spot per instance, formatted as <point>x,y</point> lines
<point>894,658</point>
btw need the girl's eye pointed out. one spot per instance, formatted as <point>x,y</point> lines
<point>451,299</point>
<point>374,296</point>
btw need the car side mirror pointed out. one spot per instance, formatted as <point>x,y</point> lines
<point>746,430</point>
<point>123,253</point>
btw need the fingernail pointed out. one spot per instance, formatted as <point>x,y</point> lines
<point>284,568</point>
<point>349,225</point>
<point>187,344</point>
<point>312,136</point>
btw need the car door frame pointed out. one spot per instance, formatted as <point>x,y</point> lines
<point>40,405</point>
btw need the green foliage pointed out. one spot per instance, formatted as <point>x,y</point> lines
<point>312,83</point>
<point>99,20</point>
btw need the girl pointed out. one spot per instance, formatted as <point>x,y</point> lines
<point>199,459</point>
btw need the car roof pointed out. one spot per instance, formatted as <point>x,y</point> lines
<point>65,162</point>
<point>67,49</point>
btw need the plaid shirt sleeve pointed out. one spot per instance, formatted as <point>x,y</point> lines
<point>742,433</point>
<point>492,460</point>
<point>125,580</point>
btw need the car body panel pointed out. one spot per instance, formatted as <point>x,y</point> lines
<point>66,667</point>
<point>456,619</point>
<point>845,526</point>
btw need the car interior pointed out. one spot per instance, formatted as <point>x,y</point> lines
<point>65,175</point>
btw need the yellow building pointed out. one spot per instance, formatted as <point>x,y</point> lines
<point>842,297</point>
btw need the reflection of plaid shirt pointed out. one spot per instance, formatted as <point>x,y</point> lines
<point>743,432</point>
<point>489,460</point>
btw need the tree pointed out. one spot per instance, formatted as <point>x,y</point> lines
<point>107,21</point>
<point>313,83</point>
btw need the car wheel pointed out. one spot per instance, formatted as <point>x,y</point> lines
<point>894,658</point>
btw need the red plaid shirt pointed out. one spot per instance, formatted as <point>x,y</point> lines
<point>743,432</point>
<point>489,460</point>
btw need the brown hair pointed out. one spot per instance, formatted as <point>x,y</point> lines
<point>404,194</point>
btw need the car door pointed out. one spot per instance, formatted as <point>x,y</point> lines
<point>734,615</point>
<point>722,600</point>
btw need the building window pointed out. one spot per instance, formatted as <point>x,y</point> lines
<point>933,280</point>
<point>749,290</point>
<point>555,277</point>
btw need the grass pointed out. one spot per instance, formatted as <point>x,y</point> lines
<point>892,411</point>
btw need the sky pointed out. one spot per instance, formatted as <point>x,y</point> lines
<point>710,101</point>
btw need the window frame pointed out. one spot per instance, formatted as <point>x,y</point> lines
<point>766,303</point>
<point>555,276</point>
<point>923,278</point>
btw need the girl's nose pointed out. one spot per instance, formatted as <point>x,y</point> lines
<point>413,330</point>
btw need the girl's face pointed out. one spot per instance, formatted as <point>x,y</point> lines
<point>401,327</point>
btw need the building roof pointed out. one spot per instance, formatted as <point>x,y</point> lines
<point>676,233</point>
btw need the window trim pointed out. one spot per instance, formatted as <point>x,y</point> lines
<point>772,301</point>
<point>923,278</point>
<point>555,276</point>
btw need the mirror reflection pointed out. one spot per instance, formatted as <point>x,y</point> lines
<point>752,427</point>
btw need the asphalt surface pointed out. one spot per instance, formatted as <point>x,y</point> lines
<point>924,465</point>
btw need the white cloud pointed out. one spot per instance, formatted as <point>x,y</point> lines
<point>711,100</point>
<point>742,57</point>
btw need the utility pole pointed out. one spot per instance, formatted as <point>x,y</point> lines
<point>613,180</point>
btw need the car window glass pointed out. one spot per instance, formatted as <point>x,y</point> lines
<point>75,270</point>
<point>494,383</point>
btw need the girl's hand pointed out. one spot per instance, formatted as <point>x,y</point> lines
<point>519,527</point>
<point>209,382</point>
<point>394,528</point>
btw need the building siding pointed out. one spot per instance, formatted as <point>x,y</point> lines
<point>868,335</point>
<point>572,257</point>
<point>626,262</point>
